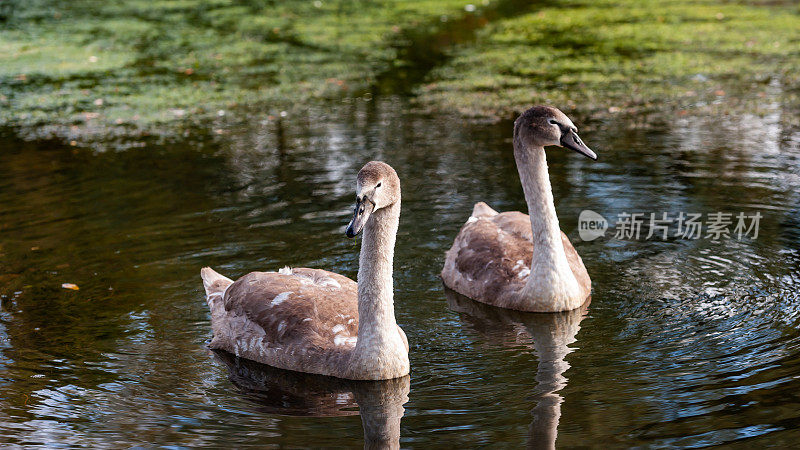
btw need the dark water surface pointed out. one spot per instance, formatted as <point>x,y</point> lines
<point>686,342</point>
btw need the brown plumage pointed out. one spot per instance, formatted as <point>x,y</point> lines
<point>519,261</point>
<point>289,319</point>
<point>492,258</point>
<point>315,321</point>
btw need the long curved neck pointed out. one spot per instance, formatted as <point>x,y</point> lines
<point>376,322</point>
<point>549,260</point>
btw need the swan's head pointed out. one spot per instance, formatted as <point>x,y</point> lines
<point>377,186</point>
<point>545,125</point>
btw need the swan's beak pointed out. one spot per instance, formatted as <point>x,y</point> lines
<point>364,207</point>
<point>571,140</point>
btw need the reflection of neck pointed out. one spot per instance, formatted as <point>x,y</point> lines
<point>551,343</point>
<point>547,412</point>
<point>551,279</point>
<point>544,427</point>
<point>381,428</point>
<point>377,326</point>
<point>380,404</point>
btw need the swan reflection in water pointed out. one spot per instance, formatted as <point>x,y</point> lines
<point>284,392</point>
<point>548,334</point>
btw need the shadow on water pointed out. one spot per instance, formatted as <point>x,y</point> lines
<point>547,335</point>
<point>283,392</point>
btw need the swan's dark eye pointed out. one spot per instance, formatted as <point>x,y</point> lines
<point>378,185</point>
<point>553,121</point>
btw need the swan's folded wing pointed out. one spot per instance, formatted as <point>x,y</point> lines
<point>302,305</point>
<point>489,256</point>
<point>492,253</point>
<point>514,223</point>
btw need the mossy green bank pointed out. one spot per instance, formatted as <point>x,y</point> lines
<point>92,69</point>
<point>614,55</point>
<point>88,67</point>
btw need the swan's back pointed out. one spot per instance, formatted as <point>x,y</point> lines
<point>490,259</point>
<point>298,319</point>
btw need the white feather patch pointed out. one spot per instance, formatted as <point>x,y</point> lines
<point>329,282</point>
<point>280,298</point>
<point>342,340</point>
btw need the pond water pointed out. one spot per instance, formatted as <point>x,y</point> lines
<point>686,342</point>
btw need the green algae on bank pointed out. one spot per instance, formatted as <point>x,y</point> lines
<point>95,68</point>
<point>85,70</point>
<point>617,55</point>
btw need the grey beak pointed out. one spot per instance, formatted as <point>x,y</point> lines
<point>571,140</point>
<point>362,211</point>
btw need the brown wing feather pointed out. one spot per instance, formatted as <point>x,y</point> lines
<point>488,252</point>
<point>282,304</point>
<point>491,257</point>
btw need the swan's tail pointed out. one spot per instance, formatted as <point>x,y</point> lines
<point>481,209</point>
<point>214,283</point>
